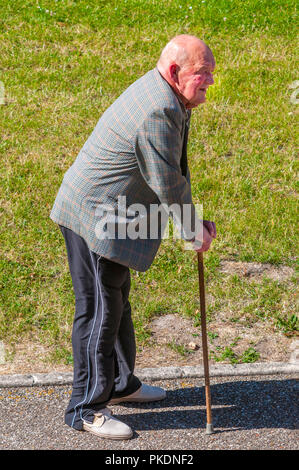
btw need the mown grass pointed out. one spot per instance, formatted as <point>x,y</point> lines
<point>62,63</point>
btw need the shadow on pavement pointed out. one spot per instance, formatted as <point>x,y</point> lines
<point>235,406</point>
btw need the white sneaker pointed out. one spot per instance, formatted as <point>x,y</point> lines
<point>146,393</point>
<point>105,425</point>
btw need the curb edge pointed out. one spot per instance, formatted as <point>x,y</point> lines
<point>160,373</point>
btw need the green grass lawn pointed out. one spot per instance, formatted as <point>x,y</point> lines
<point>62,63</point>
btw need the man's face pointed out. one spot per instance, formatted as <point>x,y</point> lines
<point>194,78</point>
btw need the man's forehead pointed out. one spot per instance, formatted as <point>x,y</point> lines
<point>200,63</point>
<point>210,64</point>
<point>201,56</point>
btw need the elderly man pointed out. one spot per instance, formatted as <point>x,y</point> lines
<point>138,151</point>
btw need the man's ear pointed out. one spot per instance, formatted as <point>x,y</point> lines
<point>173,70</point>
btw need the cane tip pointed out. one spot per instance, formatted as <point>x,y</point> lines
<point>209,429</point>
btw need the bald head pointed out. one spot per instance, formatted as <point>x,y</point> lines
<point>181,50</point>
<point>187,57</point>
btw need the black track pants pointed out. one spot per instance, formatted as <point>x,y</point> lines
<point>103,337</point>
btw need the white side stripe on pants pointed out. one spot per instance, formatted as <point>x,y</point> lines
<point>88,344</point>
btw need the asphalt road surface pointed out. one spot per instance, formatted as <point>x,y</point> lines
<point>249,413</point>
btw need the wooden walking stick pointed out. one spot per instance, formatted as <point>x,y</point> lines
<point>209,428</point>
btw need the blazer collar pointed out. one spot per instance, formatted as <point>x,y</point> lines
<point>186,112</point>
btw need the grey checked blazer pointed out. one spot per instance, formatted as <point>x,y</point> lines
<point>134,151</point>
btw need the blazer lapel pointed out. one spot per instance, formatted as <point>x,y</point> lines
<point>184,161</point>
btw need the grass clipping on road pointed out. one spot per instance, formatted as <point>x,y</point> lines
<point>62,64</point>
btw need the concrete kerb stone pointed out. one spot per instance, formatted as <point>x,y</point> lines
<point>30,380</point>
<point>222,370</point>
<point>161,373</point>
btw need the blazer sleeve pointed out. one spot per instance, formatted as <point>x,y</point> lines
<point>158,149</point>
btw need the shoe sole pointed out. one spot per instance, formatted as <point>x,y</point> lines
<point>108,436</point>
<point>134,400</point>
